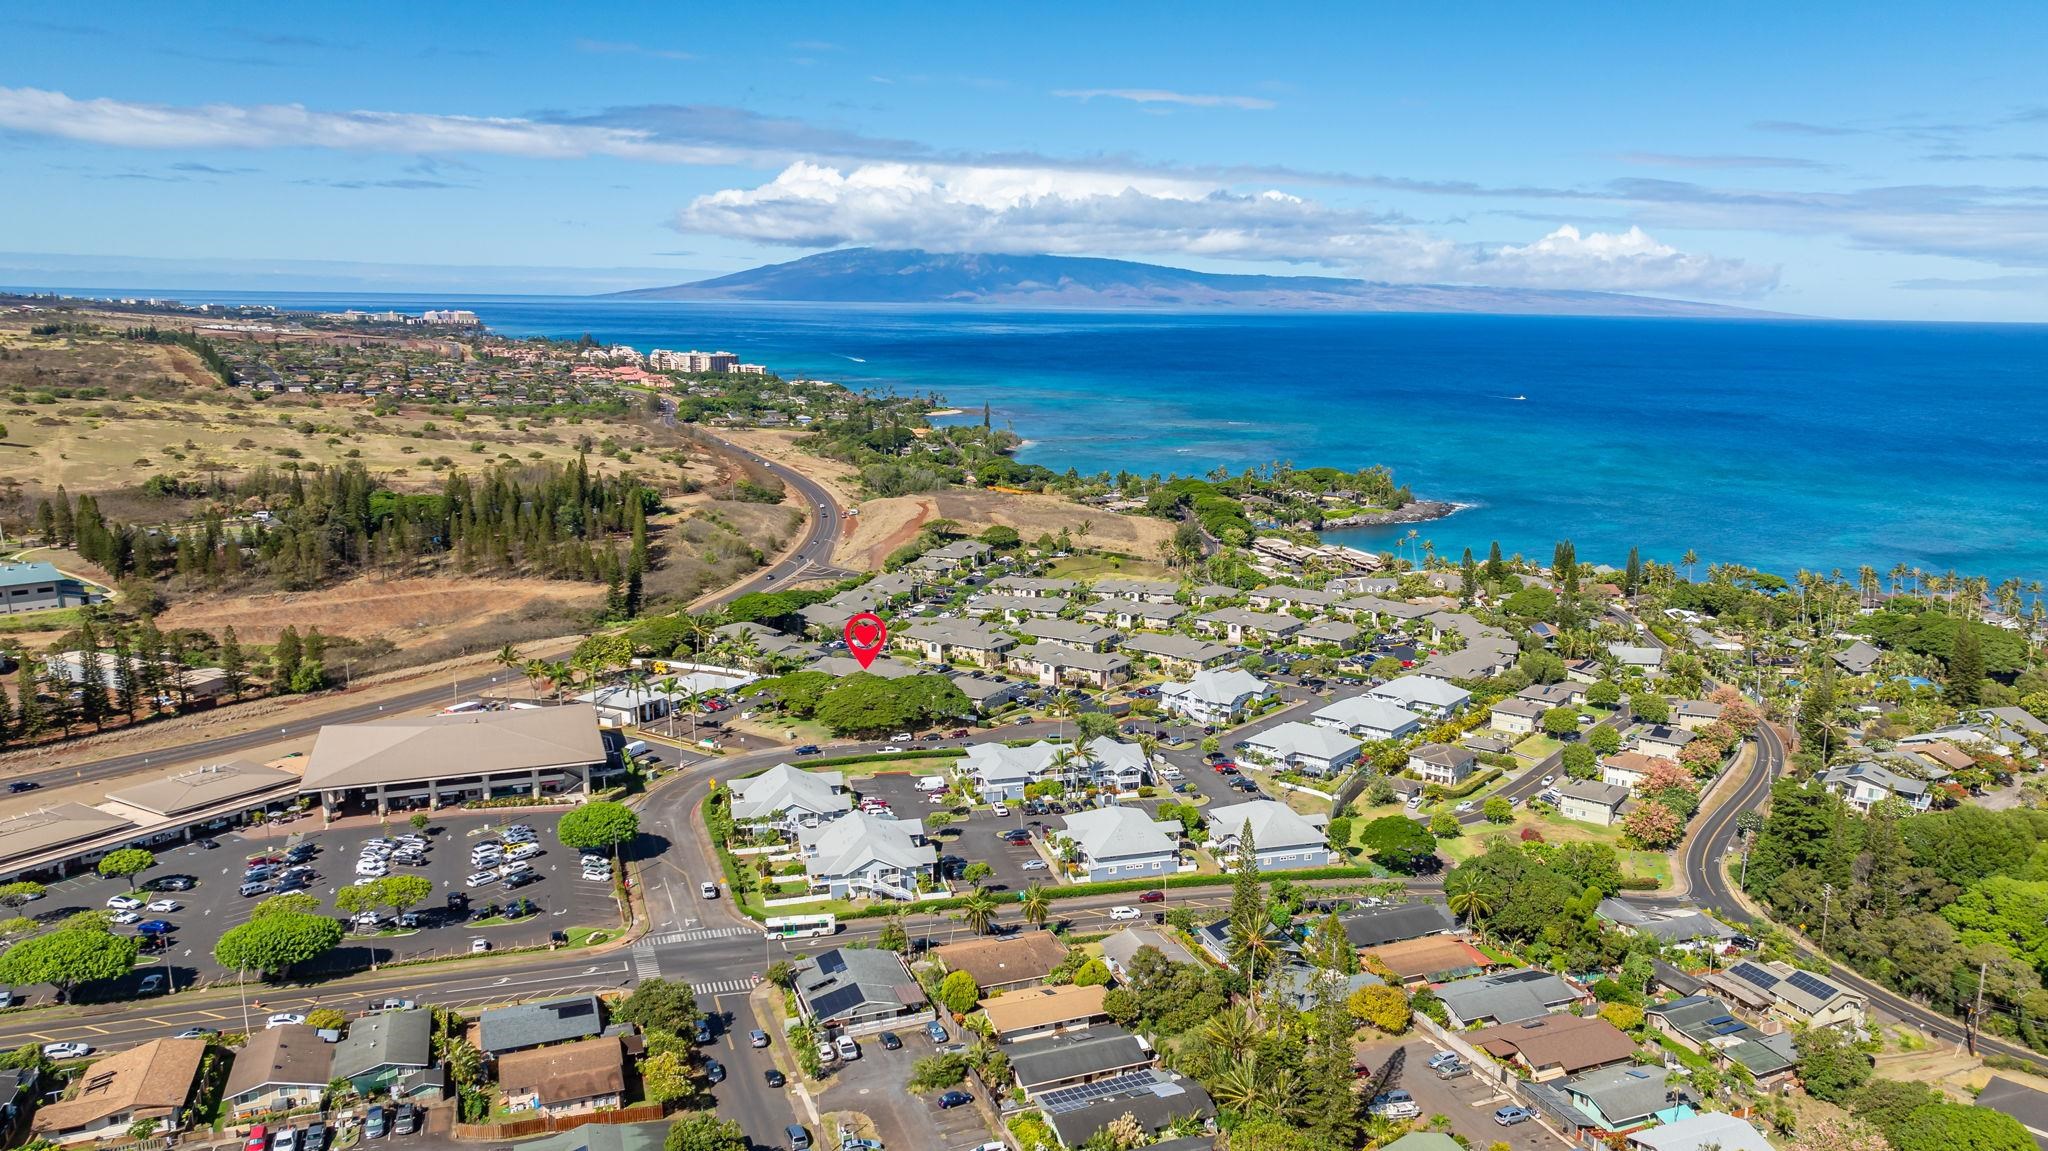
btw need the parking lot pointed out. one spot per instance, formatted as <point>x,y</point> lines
<point>1469,1102</point>
<point>213,905</point>
<point>978,837</point>
<point>873,1086</point>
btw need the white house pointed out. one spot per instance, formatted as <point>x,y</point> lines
<point>1315,750</point>
<point>1648,660</point>
<point>1444,763</point>
<point>1629,768</point>
<point>1862,785</point>
<point>1424,695</point>
<point>1694,714</point>
<point>1367,718</point>
<point>1214,697</point>
<point>789,798</point>
<point>1517,716</point>
<point>1117,766</point>
<point>1664,742</point>
<point>1283,839</point>
<point>1001,771</point>
<point>1591,802</point>
<point>861,854</point>
<point>1124,843</point>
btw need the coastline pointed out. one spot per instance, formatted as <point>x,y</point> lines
<point>1413,512</point>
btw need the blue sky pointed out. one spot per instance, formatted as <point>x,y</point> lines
<point>1825,159</point>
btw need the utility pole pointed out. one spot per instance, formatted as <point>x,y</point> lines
<point>1827,899</point>
<point>1977,1011</point>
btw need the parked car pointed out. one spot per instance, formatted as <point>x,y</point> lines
<point>952,1099</point>
<point>1396,1105</point>
<point>1034,865</point>
<point>1441,1058</point>
<point>1453,1071</point>
<point>848,1049</point>
<point>196,1033</point>
<point>937,1031</point>
<point>259,1138</point>
<point>67,1050</point>
<point>757,1038</point>
<point>826,1054</point>
<point>123,902</point>
<point>165,905</point>
<point>373,1127</point>
<point>171,883</point>
<point>480,878</point>
<point>714,1072</point>
<point>775,1078</point>
<point>891,1042</point>
<point>1509,1116</point>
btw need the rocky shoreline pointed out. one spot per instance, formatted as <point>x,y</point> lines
<point>1413,512</point>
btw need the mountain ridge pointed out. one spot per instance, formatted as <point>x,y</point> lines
<point>914,276</point>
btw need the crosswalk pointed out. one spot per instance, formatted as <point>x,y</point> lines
<point>723,987</point>
<point>667,938</point>
<point>646,965</point>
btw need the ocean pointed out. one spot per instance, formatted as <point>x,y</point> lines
<point>1781,445</point>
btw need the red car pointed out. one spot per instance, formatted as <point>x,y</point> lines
<point>1153,896</point>
<point>259,1138</point>
<point>1225,767</point>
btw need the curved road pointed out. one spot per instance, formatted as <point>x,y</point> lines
<point>812,552</point>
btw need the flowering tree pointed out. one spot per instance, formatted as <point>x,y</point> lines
<point>1701,756</point>
<point>1736,711</point>
<point>1664,773</point>
<point>1652,826</point>
<point>1722,733</point>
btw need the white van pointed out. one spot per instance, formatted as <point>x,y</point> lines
<point>931,783</point>
<point>634,749</point>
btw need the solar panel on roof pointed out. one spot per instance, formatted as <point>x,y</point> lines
<point>1751,973</point>
<point>1075,1098</point>
<point>1718,1020</point>
<point>1730,1027</point>
<point>836,1001</point>
<point>1817,988</point>
<point>831,963</point>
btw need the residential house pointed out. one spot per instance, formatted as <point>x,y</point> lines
<point>1663,742</point>
<point>1119,949</point>
<point>1666,924</point>
<point>1069,633</point>
<point>1284,839</point>
<point>1800,997</point>
<point>1081,1057</point>
<point>1586,671</point>
<point>1117,766</point>
<point>381,1049</point>
<point>1215,697</point>
<point>986,692</point>
<point>943,641</point>
<point>1694,714</point>
<point>1394,922</point>
<point>1300,986</point>
<point>758,647</point>
<point>1367,718</point>
<point>1001,772</point>
<point>1132,613</point>
<point>1705,1024</point>
<point>1506,997</point>
<point>1304,747</point>
<point>1516,716</point>
<point>2017,718</point>
<point>1648,660</point>
<point>1052,664</point>
<point>279,1069</point>
<point>858,989</point>
<point>1016,607</point>
<point>153,1081</point>
<point>1568,693</point>
<point>1154,1100</point>
<point>861,854</point>
<point>1329,633</point>
<point>1624,1098</point>
<point>886,667</point>
<point>1242,625</point>
<point>1429,959</point>
<point>1382,612</point>
<point>1277,597</point>
<point>1423,695</point>
<point>1029,585</point>
<point>1858,658</point>
<point>1147,590</point>
<point>1863,785</point>
<point>1004,963</point>
<point>1556,1046</point>
<point>1038,1012</point>
<point>565,1079</point>
<point>1442,763</point>
<point>1708,1131</point>
<point>788,798</point>
<point>1947,756</point>
<point>1589,801</point>
<point>1483,659</point>
<point>1124,843</point>
<point>1178,654</point>
<point>501,1030</point>
<point>1630,768</point>
<point>961,554</point>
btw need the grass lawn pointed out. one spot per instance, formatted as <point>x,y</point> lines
<point>1536,747</point>
<point>55,619</point>
<point>1301,802</point>
<point>590,936</point>
<point>1097,565</point>
<point>1555,829</point>
<point>900,765</point>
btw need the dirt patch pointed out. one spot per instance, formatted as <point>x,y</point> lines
<point>887,524</point>
<point>402,611</point>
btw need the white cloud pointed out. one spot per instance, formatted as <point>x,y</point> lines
<point>1027,210</point>
<point>1163,96</point>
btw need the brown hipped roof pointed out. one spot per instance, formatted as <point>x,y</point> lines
<point>152,1080</point>
<point>429,747</point>
<point>567,1071</point>
<point>994,962</point>
<point>1571,1042</point>
<point>1040,1006</point>
<point>1416,958</point>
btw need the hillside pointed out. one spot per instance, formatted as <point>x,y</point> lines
<point>877,276</point>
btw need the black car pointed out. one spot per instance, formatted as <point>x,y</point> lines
<point>521,909</point>
<point>890,1042</point>
<point>458,902</point>
<point>487,911</point>
<point>209,844</point>
<point>807,749</point>
<point>21,785</point>
<point>521,880</point>
<point>714,1071</point>
<point>775,1078</point>
<point>171,883</point>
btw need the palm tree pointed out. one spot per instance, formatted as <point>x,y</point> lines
<point>1240,1085</point>
<point>536,672</point>
<point>669,686</point>
<point>1037,905</point>
<point>510,659</point>
<point>1471,902</point>
<point>1235,1032</point>
<point>1691,560</point>
<point>978,911</point>
<point>1254,944</point>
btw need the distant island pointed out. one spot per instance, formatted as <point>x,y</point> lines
<point>879,276</point>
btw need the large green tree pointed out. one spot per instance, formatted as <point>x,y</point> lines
<point>1966,667</point>
<point>660,1005</point>
<point>704,1131</point>
<point>67,957</point>
<point>126,863</point>
<point>599,825</point>
<point>1400,844</point>
<point>867,705</point>
<point>1956,1127</point>
<point>274,944</point>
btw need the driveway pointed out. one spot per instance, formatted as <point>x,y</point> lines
<point>976,837</point>
<point>873,1086</point>
<point>1468,1102</point>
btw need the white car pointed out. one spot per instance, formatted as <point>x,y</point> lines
<point>125,917</point>
<point>284,1019</point>
<point>1548,780</point>
<point>480,879</point>
<point>1001,809</point>
<point>1123,911</point>
<point>67,1050</point>
<point>165,905</point>
<point>479,946</point>
<point>123,902</point>
<point>903,737</point>
<point>1034,865</point>
<point>891,748</point>
<point>374,868</point>
<point>524,851</point>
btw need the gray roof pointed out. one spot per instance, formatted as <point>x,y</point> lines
<point>2025,1104</point>
<point>1409,690</point>
<point>842,666</point>
<point>1624,1095</point>
<point>198,788</point>
<point>420,748</point>
<point>1124,945</point>
<point>1313,597</point>
<point>291,1055</point>
<point>1066,631</point>
<point>1304,739</point>
<point>1274,825</point>
<point>1121,832</point>
<point>841,981</point>
<point>1060,656</point>
<point>1875,774</point>
<point>2025,721</point>
<point>1593,791</point>
<point>1174,647</point>
<point>1507,996</point>
<point>1218,686</point>
<point>1526,708</point>
<point>1368,712</point>
<point>1091,1053</point>
<point>1708,1022</point>
<point>1153,1106</point>
<point>857,838</point>
<point>388,1039</point>
<point>1259,621</point>
<point>1707,1131</point>
<point>1378,926</point>
<point>532,1024</point>
<point>1668,925</point>
<point>783,790</point>
<point>1858,657</point>
<point>1135,587</point>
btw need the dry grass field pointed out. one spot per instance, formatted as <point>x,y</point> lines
<point>888,524</point>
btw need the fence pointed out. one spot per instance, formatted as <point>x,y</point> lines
<point>551,1124</point>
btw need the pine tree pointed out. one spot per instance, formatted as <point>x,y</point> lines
<point>1247,893</point>
<point>1966,665</point>
<point>28,708</point>
<point>1469,576</point>
<point>1632,579</point>
<point>66,525</point>
<point>1496,568</point>
<point>284,660</point>
<point>234,665</point>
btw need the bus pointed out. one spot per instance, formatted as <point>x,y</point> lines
<point>800,926</point>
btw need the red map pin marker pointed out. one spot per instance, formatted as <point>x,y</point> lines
<point>866,635</point>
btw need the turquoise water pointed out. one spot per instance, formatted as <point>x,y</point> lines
<point>1782,445</point>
